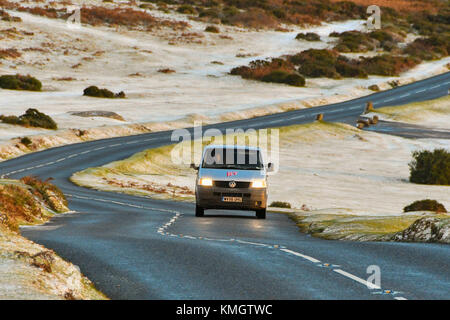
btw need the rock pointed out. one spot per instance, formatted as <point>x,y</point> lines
<point>98,113</point>
<point>428,229</point>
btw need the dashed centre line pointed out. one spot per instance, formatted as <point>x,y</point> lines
<point>69,157</point>
<point>162,230</point>
<point>357,279</point>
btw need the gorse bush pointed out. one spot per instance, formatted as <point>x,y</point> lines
<point>280,204</point>
<point>430,167</point>
<point>434,47</point>
<point>280,76</point>
<point>26,141</point>
<point>46,191</point>
<point>271,14</point>
<point>309,36</point>
<point>357,41</point>
<point>21,204</point>
<point>316,63</point>
<point>387,65</point>
<point>326,63</point>
<point>425,205</point>
<point>275,70</point>
<point>20,82</point>
<point>94,91</point>
<point>31,118</point>
<point>186,9</point>
<point>212,29</point>
<point>17,205</point>
<point>99,15</point>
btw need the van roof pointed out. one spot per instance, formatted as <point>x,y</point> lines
<point>213,146</point>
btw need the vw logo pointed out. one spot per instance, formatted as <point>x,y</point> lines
<point>232,184</point>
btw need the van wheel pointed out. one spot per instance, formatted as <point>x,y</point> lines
<point>199,211</point>
<point>261,214</point>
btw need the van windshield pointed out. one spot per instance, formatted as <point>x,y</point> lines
<point>232,158</point>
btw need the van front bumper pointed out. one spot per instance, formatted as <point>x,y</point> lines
<point>212,198</point>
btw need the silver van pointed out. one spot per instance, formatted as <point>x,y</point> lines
<point>232,177</point>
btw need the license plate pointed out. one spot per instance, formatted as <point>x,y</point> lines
<point>232,199</point>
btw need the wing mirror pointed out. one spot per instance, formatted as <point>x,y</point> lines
<point>193,166</point>
<point>270,167</point>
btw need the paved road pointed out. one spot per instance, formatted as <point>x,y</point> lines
<point>134,247</point>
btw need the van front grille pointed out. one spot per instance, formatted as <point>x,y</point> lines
<point>226,184</point>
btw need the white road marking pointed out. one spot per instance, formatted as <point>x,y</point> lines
<point>388,100</point>
<point>434,87</point>
<point>162,230</point>
<point>423,90</point>
<point>252,243</point>
<point>357,279</point>
<point>405,95</point>
<point>313,260</point>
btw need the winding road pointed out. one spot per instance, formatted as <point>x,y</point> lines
<point>140,248</point>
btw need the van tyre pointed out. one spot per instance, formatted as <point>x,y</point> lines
<point>261,214</point>
<point>199,211</point>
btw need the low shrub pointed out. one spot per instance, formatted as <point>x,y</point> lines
<point>31,118</point>
<point>275,70</point>
<point>17,206</point>
<point>26,141</point>
<point>280,76</point>
<point>212,29</point>
<point>94,91</point>
<point>431,24</point>
<point>316,63</point>
<point>98,15</point>
<point>20,82</point>
<point>347,68</point>
<point>387,65</point>
<point>10,53</point>
<point>432,48</point>
<point>186,9</point>
<point>357,41</point>
<point>425,205</point>
<point>254,18</point>
<point>280,204</point>
<point>327,63</point>
<point>430,167</point>
<point>309,36</point>
<point>47,192</point>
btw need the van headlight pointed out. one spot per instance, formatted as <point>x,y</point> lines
<point>207,182</point>
<point>258,184</point>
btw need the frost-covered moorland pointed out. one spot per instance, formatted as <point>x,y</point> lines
<point>173,63</point>
<point>168,66</point>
